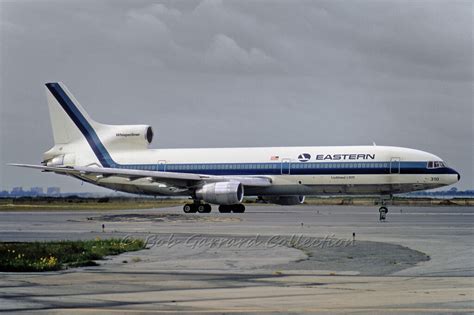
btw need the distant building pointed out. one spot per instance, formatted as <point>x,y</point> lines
<point>36,191</point>
<point>17,191</point>
<point>53,191</point>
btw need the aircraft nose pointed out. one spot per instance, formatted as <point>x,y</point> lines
<point>457,173</point>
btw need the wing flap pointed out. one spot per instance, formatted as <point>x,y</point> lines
<point>182,179</point>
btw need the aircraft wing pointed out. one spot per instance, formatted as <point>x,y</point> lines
<point>176,179</point>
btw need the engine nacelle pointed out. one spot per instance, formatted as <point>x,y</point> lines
<point>284,200</point>
<point>222,193</point>
<point>126,136</point>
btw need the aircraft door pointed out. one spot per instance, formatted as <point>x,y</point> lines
<point>285,166</point>
<point>395,165</point>
<point>162,166</point>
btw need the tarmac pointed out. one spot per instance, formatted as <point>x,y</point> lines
<point>293,259</point>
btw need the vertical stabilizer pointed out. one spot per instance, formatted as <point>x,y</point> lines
<point>63,108</point>
<point>72,126</point>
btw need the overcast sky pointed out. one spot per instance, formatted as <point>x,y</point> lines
<point>242,73</point>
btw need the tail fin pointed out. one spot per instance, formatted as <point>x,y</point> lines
<point>72,128</point>
<point>64,109</point>
<point>71,124</point>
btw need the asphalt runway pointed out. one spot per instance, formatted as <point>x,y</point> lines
<point>296,259</point>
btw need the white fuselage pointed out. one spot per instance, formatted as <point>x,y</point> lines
<point>293,170</point>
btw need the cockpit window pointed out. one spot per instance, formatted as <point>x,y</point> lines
<point>436,164</point>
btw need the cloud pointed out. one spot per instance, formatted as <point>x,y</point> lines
<point>9,27</point>
<point>317,38</point>
<point>162,34</point>
<point>225,53</point>
<point>161,10</point>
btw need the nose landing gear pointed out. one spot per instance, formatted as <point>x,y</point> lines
<point>383,210</point>
<point>383,213</point>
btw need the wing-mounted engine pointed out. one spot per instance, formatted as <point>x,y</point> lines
<point>283,200</point>
<point>221,193</point>
<point>125,136</point>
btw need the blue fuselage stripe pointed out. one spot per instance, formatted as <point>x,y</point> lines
<point>295,168</point>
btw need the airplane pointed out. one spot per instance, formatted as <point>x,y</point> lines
<point>118,157</point>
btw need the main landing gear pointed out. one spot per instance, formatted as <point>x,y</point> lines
<point>238,208</point>
<point>197,207</point>
<point>206,208</point>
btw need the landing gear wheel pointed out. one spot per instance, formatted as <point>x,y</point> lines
<point>224,209</point>
<point>204,208</point>
<point>189,208</point>
<point>240,208</point>
<point>383,213</point>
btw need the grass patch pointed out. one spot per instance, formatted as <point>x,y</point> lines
<point>50,256</point>
<point>79,203</point>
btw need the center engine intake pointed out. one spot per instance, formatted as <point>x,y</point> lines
<point>125,136</point>
<point>222,193</point>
